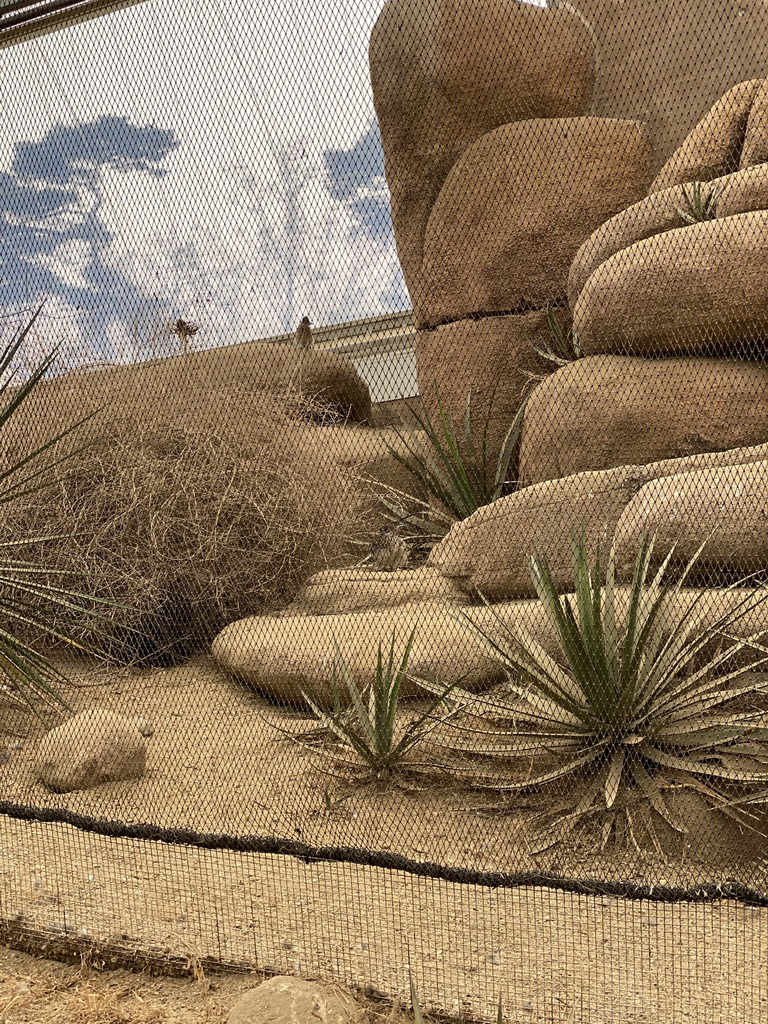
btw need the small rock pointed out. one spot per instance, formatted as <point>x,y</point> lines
<point>144,725</point>
<point>285,1000</point>
<point>91,748</point>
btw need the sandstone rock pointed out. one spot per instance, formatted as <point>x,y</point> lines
<point>516,206</point>
<point>755,148</point>
<point>492,358</point>
<point>281,656</point>
<point>713,147</point>
<point>657,61</point>
<point>696,290</point>
<point>444,74</point>
<point>286,1000</point>
<point>739,192</point>
<point>606,411</point>
<point>727,507</point>
<point>743,191</point>
<point>89,749</point>
<point>490,551</point>
<point>336,591</point>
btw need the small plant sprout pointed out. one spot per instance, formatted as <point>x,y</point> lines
<point>418,1016</point>
<point>364,727</point>
<point>697,206</point>
<point>562,348</point>
<point>453,467</point>
<point>332,803</point>
<point>637,690</point>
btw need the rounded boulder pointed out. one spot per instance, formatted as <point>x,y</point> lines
<point>604,411</point>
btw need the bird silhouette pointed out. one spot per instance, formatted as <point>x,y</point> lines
<point>303,336</point>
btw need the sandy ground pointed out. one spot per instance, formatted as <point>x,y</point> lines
<point>216,765</point>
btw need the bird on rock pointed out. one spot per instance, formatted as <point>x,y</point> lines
<point>388,550</point>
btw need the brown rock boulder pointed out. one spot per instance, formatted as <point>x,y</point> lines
<point>695,290</point>
<point>606,411</point>
<point>444,74</point>
<point>726,506</point>
<point>755,147</point>
<point>713,147</point>
<point>92,748</point>
<point>337,591</point>
<point>668,63</point>
<point>493,358</point>
<point>739,192</point>
<point>490,551</point>
<point>282,655</point>
<point>286,1000</point>
<point>325,376</point>
<point>517,205</point>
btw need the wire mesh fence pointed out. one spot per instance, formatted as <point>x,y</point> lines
<point>384,468</point>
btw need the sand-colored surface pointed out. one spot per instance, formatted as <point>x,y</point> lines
<point>215,765</point>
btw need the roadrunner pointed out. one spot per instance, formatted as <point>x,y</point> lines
<point>303,336</point>
<point>388,550</point>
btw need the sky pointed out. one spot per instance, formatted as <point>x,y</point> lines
<point>216,162</point>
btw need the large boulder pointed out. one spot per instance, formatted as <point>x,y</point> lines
<point>739,192</point>
<point>516,206</point>
<point>726,507</point>
<point>604,411</point>
<point>92,748</point>
<point>696,290</point>
<point>443,75</point>
<point>713,147</point>
<point>668,63</point>
<point>492,359</point>
<point>490,551</point>
<point>281,656</point>
<point>336,591</point>
<point>755,147</point>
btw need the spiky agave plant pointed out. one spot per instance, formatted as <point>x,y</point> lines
<point>30,604</point>
<point>698,206</point>
<point>634,692</point>
<point>561,349</point>
<point>453,466</point>
<point>364,726</point>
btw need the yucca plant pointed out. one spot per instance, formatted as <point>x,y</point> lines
<point>562,348</point>
<point>28,678</point>
<point>631,696</point>
<point>453,467</point>
<point>364,726</point>
<point>697,206</point>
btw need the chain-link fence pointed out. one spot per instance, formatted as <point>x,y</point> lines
<point>384,468</point>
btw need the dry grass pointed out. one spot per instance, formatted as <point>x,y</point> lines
<point>191,506</point>
<point>38,991</point>
<point>34,990</point>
